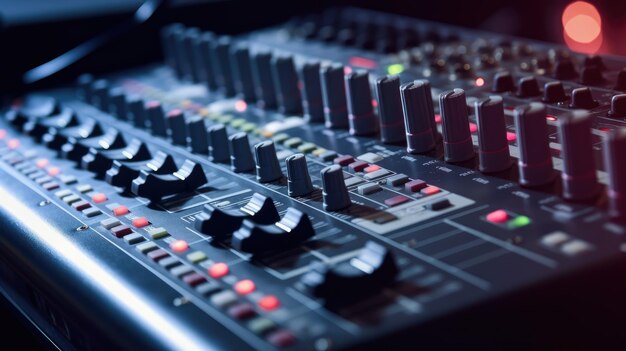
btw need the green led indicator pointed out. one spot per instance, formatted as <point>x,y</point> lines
<point>395,68</point>
<point>519,221</point>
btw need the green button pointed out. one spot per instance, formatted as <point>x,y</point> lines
<point>225,119</point>
<point>261,325</point>
<point>307,147</point>
<point>236,123</point>
<point>158,233</point>
<point>280,138</point>
<point>519,221</point>
<point>293,142</point>
<point>197,256</point>
<point>248,127</point>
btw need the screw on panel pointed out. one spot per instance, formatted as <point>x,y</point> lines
<point>323,344</point>
<point>44,203</point>
<point>179,301</point>
<point>82,228</point>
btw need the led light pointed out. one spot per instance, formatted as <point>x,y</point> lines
<point>244,287</point>
<point>395,68</point>
<point>13,144</point>
<point>511,136</point>
<point>438,119</point>
<point>473,127</point>
<point>551,118</point>
<point>42,163</point>
<point>140,222</point>
<point>218,270</point>
<point>363,62</point>
<point>120,210</point>
<point>241,106</point>
<point>479,82</point>
<point>269,303</point>
<point>53,171</point>
<point>520,221</point>
<point>3,134</point>
<point>179,246</point>
<point>497,216</point>
<point>99,198</point>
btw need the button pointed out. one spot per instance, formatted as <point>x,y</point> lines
<point>376,174</point>
<point>42,180</point>
<point>430,190</point>
<point>91,212</point>
<point>53,171</point>
<point>261,325</point>
<point>157,233</point>
<point>84,188</point>
<point>358,166</point>
<point>292,142</point>
<point>99,198</point>
<point>140,222</point>
<point>519,221</point>
<point>133,238</point>
<point>181,270</point>
<point>497,216</point>
<point>281,338</point>
<point>63,193</point>
<point>353,181</point>
<point>439,205</point>
<point>121,230</point>
<point>396,200</point>
<point>372,168</point>
<point>224,298</point>
<point>398,179</point>
<point>555,239</point>
<point>241,311</point>
<point>575,247</point>
<point>269,303</point>
<point>71,199</point>
<point>328,155</point>
<point>120,211</point>
<point>245,287</point>
<point>307,148</point>
<point>218,270</point>
<point>51,186</point>
<point>146,247</point>
<point>110,223</point>
<point>368,188</point>
<point>207,288</point>
<point>343,160</point>
<point>179,246</point>
<point>370,157</point>
<point>196,257</point>
<point>280,138</point>
<point>67,179</point>
<point>194,279</point>
<point>415,185</point>
<point>169,262</point>
<point>157,255</point>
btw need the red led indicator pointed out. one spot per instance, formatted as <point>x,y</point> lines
<point>3,133</point>
<point>99,198</point>
<point>347,70</point>
<point>371,168</point>
<point>218,270</point>
<point>438,119</point>
<point>120,210</point>
<point>13,144</point>
<point>430,190</point>
<point>140,222</point>
<point>241,106</point>
<point>179,246</point>
<point>511,136</point>
<point>244,287</point>
<point>479,82</point>
<point>374,103</point>
<point>362,62</point>
<point>269,303</point>
<point>498,216</point>
<point>551,118</point>
<point>473,127</point>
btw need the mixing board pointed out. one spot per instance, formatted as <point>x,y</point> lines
<point>342,180</point>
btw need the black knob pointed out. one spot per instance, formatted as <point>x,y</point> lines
<point>219,144</point>
<point>224,72</point>
<point>535,160</point>
<point>554,92</point>
<point>198,135</point>
<point>591,75</point>
<point>528,87</point>
<point>621,80</point>
<point>99,161</point>
<point>614,149</point>
<point>298,179</point>
<point>334,96</point>
<point>286,80</point>
<point>122,173</point>
<point>156,118</point>
<point>372,270</point>
<point>56,138</point>
<point>75,149</point>
<point>419,116</point>
<point>207,65</point>
<point>167,44</point>
<point>582,98</point>
<point>579,169</point>
<point>503,82</point>
<point>220,223</point>
<point>390,110</point>
<point>457,139</point>
<point>240,155</point>
<point>335,192</point>
<point>177,35</point>
<point>177,127</point>
<point>564,69</point>
<point>37,127</point>
<point>100,97</point>
<point>242,70</point>
<point>84,83</point>
<point>267,165</point>
<point>294,229</point>
<point>361,116</point>
<point>187,178</point>
<point>189,39</point>
<point>312,89</point>
<point>117,103</point>
<point>618,106</point>
<point>262,73</point>
<point>595,61</point>
<point>493,147</point>
<point>136,111</point>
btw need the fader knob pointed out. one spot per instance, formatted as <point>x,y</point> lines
<point>298,179</point>
<point>390,110</point>
<point>618,106</point>
<point>582,98</point>
<point>206,59</point>
<point>136,111</point>
<point>267,165</point>
<point>219,144</point>
<point>614,150</point>
<point>240,155</point>
<point>554,92</point>
<point>84,87</point>
<point>361,116</point>
<point>579,170</point>
<point>621,80</point>
<point>503,82</point>
<point>224,75</point>
<point>243,73</point>
<point>198,135</point>
<point>100,98</point>
<point>265,87</point>
<point>312,89</point>
<point>334,97</point>
<point>457,139</point>
<point>535,160</point>
<point>419,116</point>
<point>286,79</point>
<point>117,103</point>
<point>335,192</point>
<point>156,117</point>
<point>493,147</point>
<point>177,127</point>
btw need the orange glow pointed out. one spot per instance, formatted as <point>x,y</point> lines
<point>577,8</point>
<point>13,144</point>
<point>240,106</point>
<point>3,133</point>
<point>179,246</point>
<point>54,171</point>
<point>347,70</point>
<point>551,118</point>
<point>218,270</point>
<point>479,82</point>
<point>582,27</point>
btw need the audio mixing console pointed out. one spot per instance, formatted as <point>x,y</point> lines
<point>342,180</point>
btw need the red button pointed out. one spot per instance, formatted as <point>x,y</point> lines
<point>372,168</point>
<point>269,303</point>
<point>473,127</point>
<point>344,160</point>
<point>430,190</point>
<point>3,133</point>
<point>42,163</point>
<point>53,171</point>
<point>120,210</point>
<point>281,338</point>
<point>511,136</point>
<point>415,185</point>
<point>396,200</point>
<point>218,270</point>
<point>140,222</point>
<point>193,279</point>
<point>179,246</point>
<point>241,311</point>
<point>121,231</point>
<point>358,166</point>
<point>244,287</point>
<point>157,255</point>
<point>99,198</point>
<point>498,216</point>
<point>13,144</point>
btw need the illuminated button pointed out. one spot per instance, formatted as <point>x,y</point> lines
<point>120,211</point>
<point>396,200</point>
<point>415,185</point>
<point>196,256</point>
<point>370,157</point>
<point>376,174</point>
<point>241,311</point>
<point>158,233</point>
<point>54,171</point>
<point>133,239</point>
<point>498,216</point>
<point>261,325</point>
<point>318,152</point>
<point>575,247</point>
<point>343,160</point>
<point>99,198</point>
<point>42,163</point>
<point>179,246</point>
<point>110,223</point>
<point>140,222</point>
<point>358,166</point>
<point>245,287</point>
<point>194,279</point>
<point>121,230</point>
<point>473,128</point>
<point>13,144</point>
<point>84,188</point>
<point>157,255</point>
<point>269,303</point>
<point>223,298</point>
<point>372,168</point>
<point>519,221</point>
<point>281,338</point>
<point>218,270</point>
<point>397,180</point>
<point>146,247</point>
<point>307,148</point>
<point>430,190</point>
<point>91,212</point>
<point>511,136</point>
